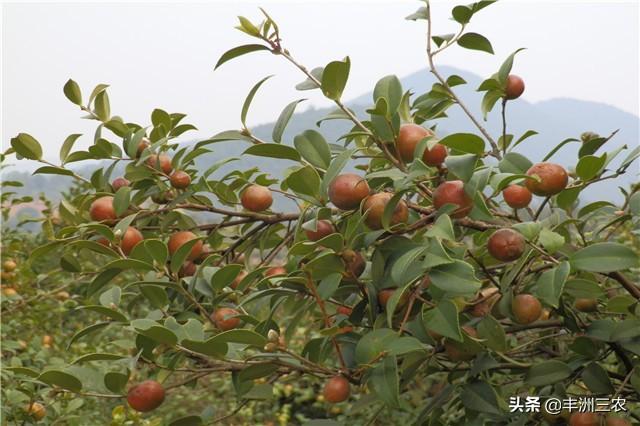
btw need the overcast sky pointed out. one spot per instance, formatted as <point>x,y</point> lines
<point>162,55</point>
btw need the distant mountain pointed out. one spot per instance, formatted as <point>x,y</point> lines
<point>554,120</point>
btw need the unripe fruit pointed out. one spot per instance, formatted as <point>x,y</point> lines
<point>337,389</point>
<point>347,191</point>
<point>324,228</point>
<point>9,265</point>
<point>409,137</point>
<point>238,279</point>
<point>256,198</point>
<point>514,87</point>
<point>131,238</point>
<point>506,245</point>
<point>178,239</point>
<point>584,419</point>
<point>119,183</point>
<point>344,310</point>
<point>225,318</point>
<point>452,192</point>
<point>180,179</point>
<point>435,156</point>
<point>62,296</point>
<point>36,410</point>
<point>145,396</point>
<point>102,209</point>
<point>188,269</point>
<point>354,262</point>
<point>160,162</point>
<point>374,207</point>
<point>617,421</point>
<point>163,197</point>
<point>586,304</point>
<point>275,270</point>
<point>144,144</point>
<point>526,308</point>
<point>553,179</point>
<point>516,196</point>
<point>545,315</point>
<point>9,292</point>
<point>457,351</point>
<point>47,340</point>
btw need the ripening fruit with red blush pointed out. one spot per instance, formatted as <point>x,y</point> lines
<point>256,198</point>
<point>130,239</point>
<point>225,318</point>
<point>553,178</point>
<point>337,389</point>
<point>180,179</point>
<point>188,269</point>
<point>408,139</point>
<point>586,304</point>
<point>160,162</point>
<point>452,192</point>
<point>506,245</point>
<point>347,191</point>
<point>145,396</point>
<point>119,183</point>
<point>180,238</point>
<point>144,144</point>
<point>435,156</point>
<point>516,196</point>
<point>344,310</point>
<point>374,207</point>
<point>36,411</point>
<point>102,209</point>
<point>514,87</point>
<point>238,279</point>
<point>584,419</point>
<point>526,308</point>
<point>324,228</point>
<point>9,265</point>
<point>355,263</point>
<point>617,421</point>
<point>275,270</point>
<point>457,351</point>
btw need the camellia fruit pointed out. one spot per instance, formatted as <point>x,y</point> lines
<point>160,162</point>
<point>617,421</point>
<point>130,239</point>
<point>552,177</point>
<point>225,318</point>
<point>324,228</point>
<point>374,207</point>
<point>275,270</point>
<point>516,196</point>
<point>145,396</point>
<point>514,87</point>
<point>355,263</point>
<point>9,265</point>
<point>347,191</point>
<point>586,304</point>
<point>144,144</point>
<point>337,389</point>
<point>102,209</point>
<point>457,351</point>
<point>408,139</point>
<point>36,410</point>
<point>506,245</point>
<point>384,296</point>
<point>180,238</point>
<point>119,183</point>
<point>526,308</point>
<point>344,310</point>
<point>256,198</point>
<point>452,192</point>
<point>180,179</point>
<point>584,419</point>
<point>188,269</point>
<point>238,279</point>
<point>435,156</point>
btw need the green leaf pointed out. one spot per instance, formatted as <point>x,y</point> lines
<point>455,278</point>
<point>155,331</point>
<point>97,357</point>
<point>180,256</point>
<point>475,41</point>
<point>314,148</point>
<point>443,319</point>
<point>101,106</point>
<point>67,145</point>
<point>246,337</point>
<point>87,330</point>
<point>550,284</point>
<point>105,311</point>
<point>505,69</point>
<point>442,228</point>
<point>212,347</point>
<point>305,181</point>
<point>373,344</point>
<point>462,14</point>
<point>464,142</point>
<point>384,382</point>
<point>116,382</point>
<point>547,373</point>
<point>334,78</point>
<point>551,241</point>
<point>514,163</point>
<point>97,90</point>
<point>328,285</point>
<point>72,92</point>
<point>52,170</point>
<point>604,257</point>
<point>273,150</point>
<point>491,331</point>
<point>597,379</point>
<point>283,120</point>
<point>122,200</point>
<point>309,84</point>
<point>27,146</point>
<point>389,88</point>
<point>188,421</point>
<point>590,166</point>
<point>480,397</point>
<point>157,296</point>
<point>462,166</point>
<point>239,51</point>
<point>247,101</point>
<point>61,379</point>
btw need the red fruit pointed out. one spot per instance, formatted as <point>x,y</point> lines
<point>457,351</point>
<point>516,196</point>
<point>144,144</point>
<point>179,238</point>
<point>409,137</point>
<point>131,237</point>
<point>354,262</point>
<point>241,275</point>
<point>514,87</point>
<point>188,269</point>
<point>146,396</point>
<point>180,179</point>
<point>337,389</point>
<point>160,162</point>
<point>256,198</point>
<point>506,245</point>
<point>275,270</point>
<point>526,308</point>
<point>119,183</point>
<point>385,295</point>
<point>102,209</point>
<point>347,191</point>
<point>225,319</point>
<point>617,421</point>
<point>452,192</point>
<point>344,310</point>
<point>584,419</point>
<point>375,205</point>
<point>553,179</point>
<point>586,305</point>
<point>324,228</point>
<point>435,156</point>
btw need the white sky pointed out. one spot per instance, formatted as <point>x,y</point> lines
<point>162,55</point>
